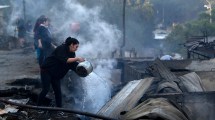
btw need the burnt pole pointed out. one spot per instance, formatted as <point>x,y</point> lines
<point>123,28</point>
<point>24,12</point>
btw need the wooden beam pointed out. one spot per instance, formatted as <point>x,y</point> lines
<point>164,72</point>
<point>167,78</point>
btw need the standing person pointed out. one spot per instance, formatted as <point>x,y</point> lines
<point>21,31</point>
<point>75,29</point>
<point>45,36</point>
<point>37,41</point>
<point>55,68</point>
<point>28,26</point>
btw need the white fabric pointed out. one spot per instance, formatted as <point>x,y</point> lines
<point>177,57</point>
<point>166,57</point>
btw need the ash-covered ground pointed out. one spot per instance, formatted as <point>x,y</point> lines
<point>17,64</point>
<point>20,80</point>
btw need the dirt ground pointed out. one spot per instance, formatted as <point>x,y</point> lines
<point>21,65</point>
<point>17,64</point>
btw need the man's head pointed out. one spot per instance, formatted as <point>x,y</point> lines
<point>72,43</point>
<point>75,27</point>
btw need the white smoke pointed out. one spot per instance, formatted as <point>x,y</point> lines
<point>97,38</point>
<point>16,12</point>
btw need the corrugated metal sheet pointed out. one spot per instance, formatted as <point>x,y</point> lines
<point>126,99</point>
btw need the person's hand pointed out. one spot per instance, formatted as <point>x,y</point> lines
<point>40,44</point>
<point>81,59</point>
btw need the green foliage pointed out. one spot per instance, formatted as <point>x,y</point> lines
<point>177,10</point>
<point>198,27</point>
<point>140,22</point>
<point>204,16</point>
<point>180,33</point>
<point>213,15</point>
<point>147,12</point>
<point>176,38</point>
<point>191,19</point>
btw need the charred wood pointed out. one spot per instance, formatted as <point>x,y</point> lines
<point>57,109</point>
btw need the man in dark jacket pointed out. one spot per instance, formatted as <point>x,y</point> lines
<point>55,68</point>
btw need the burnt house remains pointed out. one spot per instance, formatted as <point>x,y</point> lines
<point>144,88</point>
<point>200,47</point>
<point>167,90</point>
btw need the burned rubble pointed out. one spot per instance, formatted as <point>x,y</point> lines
<point>165,86</point>
<point>186,91</point>
<point>140,86</point>
<point>179,88</point>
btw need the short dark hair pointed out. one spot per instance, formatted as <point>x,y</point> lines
<point>70,41</point>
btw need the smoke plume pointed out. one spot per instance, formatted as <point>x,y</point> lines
<point>97,38</point>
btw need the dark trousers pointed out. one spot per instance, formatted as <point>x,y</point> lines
<point>41,57</point>
<point>46,80</point>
